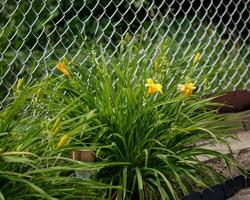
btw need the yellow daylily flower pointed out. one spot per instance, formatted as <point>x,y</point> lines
<point>62,67</point>
<point>153,87</point>
<point>196,58</point>
<point>62,141</point>
<point>186,89</point>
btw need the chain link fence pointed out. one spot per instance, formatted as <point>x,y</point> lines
<point>36,34</point>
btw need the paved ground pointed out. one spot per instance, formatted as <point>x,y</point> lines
<point>242,195</point>
<point>236,145</point>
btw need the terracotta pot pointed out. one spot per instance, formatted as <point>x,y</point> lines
<point>83,156</point>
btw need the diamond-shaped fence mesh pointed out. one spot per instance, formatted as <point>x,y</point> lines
<point>36,34</point>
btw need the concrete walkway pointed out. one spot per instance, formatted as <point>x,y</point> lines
<point>241,195</point>
<point>237,146</point>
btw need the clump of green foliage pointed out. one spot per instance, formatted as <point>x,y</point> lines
<point>31,165</point>
<point>155,139</point>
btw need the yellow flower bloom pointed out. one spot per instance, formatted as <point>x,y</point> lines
<point>196,58</point>
<point>186,89</point>
<point>62,67</point>
<point>153,87</point>
<point>62,141</point>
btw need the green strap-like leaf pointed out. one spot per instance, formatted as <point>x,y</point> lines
<point>140,183</point>
<point>1,196</point>
<point>125,176</point>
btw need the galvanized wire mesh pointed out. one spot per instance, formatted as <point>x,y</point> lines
<point>35,34</point>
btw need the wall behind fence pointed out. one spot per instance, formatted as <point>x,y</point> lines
<point>35,34</point>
